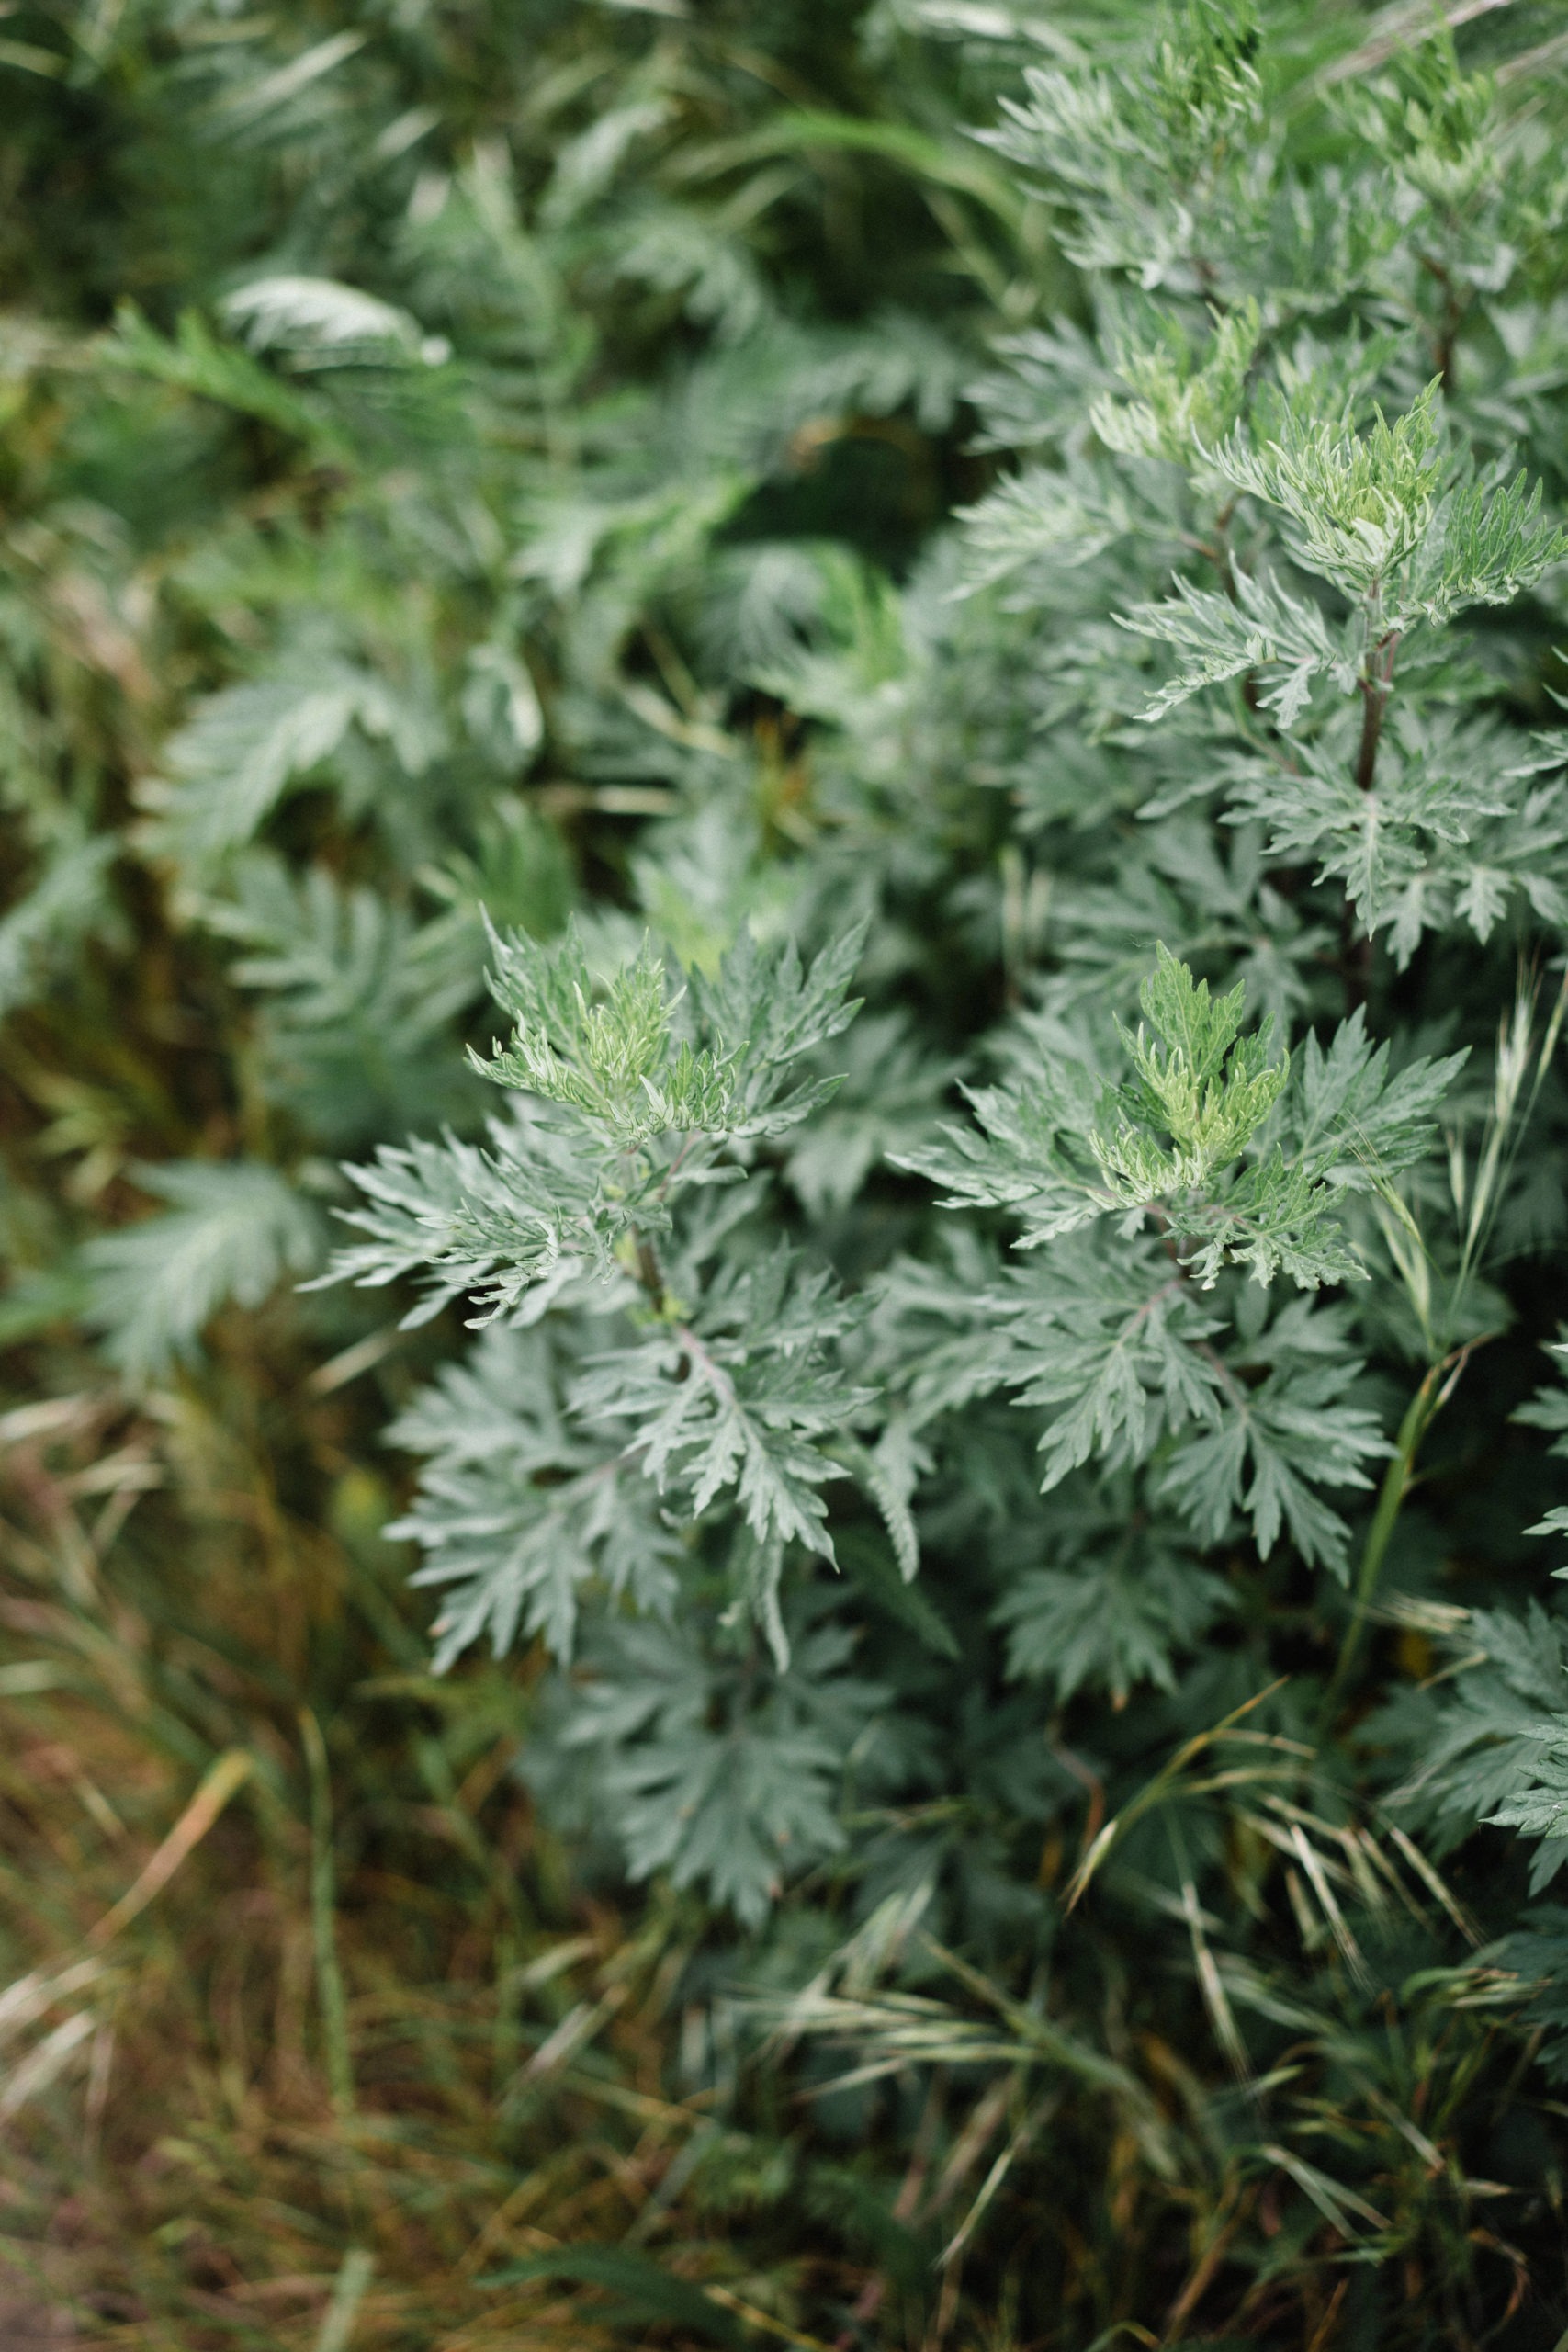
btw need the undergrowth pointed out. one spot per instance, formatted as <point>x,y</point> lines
<point>339,2043</point>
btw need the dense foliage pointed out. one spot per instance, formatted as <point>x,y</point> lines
<point>787,817</point>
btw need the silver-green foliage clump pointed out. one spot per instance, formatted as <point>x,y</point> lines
<point>1227,747</point>
<point>1015,1499</point>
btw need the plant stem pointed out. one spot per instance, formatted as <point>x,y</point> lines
<point>1398,1479</point>
<point>1375,686</point>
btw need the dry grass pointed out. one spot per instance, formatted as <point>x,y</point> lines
<point>287,2056</point>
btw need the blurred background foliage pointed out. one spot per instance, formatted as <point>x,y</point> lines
<point>440,441</point>
<point>359,2041</point>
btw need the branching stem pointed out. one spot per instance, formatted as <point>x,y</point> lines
<point>1376,684</point>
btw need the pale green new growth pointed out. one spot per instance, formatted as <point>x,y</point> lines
<point>1360,505</point>
<point>1185,399</point>
<point>636,1094</point>
<point>1185,1141</point>
<point>633,1094</point>
<point>1121,146</point>
<point>619,1056</point>
<point>1199,1078</point>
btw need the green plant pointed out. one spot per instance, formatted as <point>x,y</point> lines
<point>1041,1576</point>
<point>1277,461</point>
